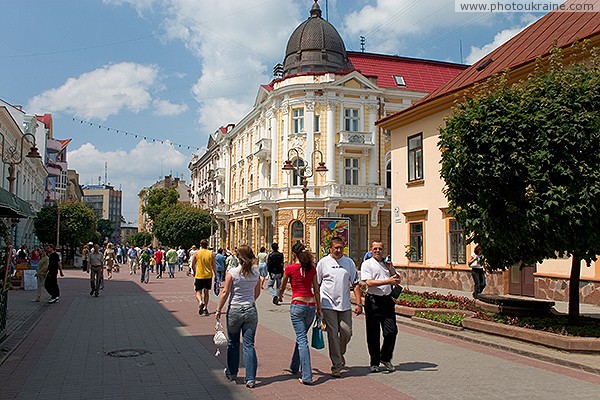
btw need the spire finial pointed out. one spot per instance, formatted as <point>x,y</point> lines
<point>315,10</point>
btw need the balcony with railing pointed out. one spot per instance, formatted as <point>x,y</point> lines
<point>355,140</point>
<point>263,148</point>
<point>354,192</point>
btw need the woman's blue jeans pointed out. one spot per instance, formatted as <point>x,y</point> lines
<point>244,320</point>
<point>302,317</point>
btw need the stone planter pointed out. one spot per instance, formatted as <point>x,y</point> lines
<point>567,343</point>
<point>438,324</point>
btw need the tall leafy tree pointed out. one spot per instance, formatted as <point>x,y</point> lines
<point>105,228</point>
<point>160,199</point>
<point>78,223</point>
<point>521,164</point>
<point>140,239</point>
<point>182,225</point>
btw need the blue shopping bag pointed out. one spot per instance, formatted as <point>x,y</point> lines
<point>317,335</point>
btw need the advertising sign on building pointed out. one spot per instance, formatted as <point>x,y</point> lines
<point>328,228</point>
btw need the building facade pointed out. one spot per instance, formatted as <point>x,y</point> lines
<point>420,218</point>
<point>321,107</point>
<point>105,200</point>
<point>207,187</point>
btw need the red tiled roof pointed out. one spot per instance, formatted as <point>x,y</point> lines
<point>419,75</point>
<point>537,40</point>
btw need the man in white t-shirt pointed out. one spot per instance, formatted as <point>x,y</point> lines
<point>379,308</point>
<point>336,275</point>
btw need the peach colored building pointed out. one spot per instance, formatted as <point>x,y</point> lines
<point>419,207</point>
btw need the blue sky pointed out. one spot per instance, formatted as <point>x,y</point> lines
<point>173,71</point>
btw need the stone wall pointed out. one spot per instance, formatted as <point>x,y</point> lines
<point>557,289</point>
<point>452,279</point>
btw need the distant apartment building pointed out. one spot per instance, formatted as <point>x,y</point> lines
<point>105,200</point>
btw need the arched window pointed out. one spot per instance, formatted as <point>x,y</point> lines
<point>297,231</point>
<point>296,179</point>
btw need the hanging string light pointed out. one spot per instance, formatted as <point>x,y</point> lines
<point>126,133</point>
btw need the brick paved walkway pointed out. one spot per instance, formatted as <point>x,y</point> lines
<point>64,352</point>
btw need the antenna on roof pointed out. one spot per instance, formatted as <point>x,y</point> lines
<point>105,172</point>
<point>362,43</point>
<point>460,48</point>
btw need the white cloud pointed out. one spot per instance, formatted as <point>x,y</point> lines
<point>477,53</point>
<point>391,25</point>
<point>130,170</point>
<point>166,108</point>
<point>237,44</point>
<point>101,93</point>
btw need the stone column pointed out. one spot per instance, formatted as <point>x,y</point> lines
<point>331,142</point>
<point>272,115</point>
<point>374,156</point>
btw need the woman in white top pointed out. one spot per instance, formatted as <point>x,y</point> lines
<point>242,288</point>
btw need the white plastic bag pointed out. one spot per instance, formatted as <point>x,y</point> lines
<point>219,339</point>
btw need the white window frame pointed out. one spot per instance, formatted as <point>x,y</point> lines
<point>351,119</point>
<point>298,120</point>
<point>351,171</point>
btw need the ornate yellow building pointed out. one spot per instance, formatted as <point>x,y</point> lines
<point>321,107</point>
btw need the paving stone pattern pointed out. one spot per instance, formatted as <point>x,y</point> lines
<point>140,341</point>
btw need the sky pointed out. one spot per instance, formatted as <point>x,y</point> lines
<point>139,85</point>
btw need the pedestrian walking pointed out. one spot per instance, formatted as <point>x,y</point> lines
<point>41,272</point>
<point>476,262</point>
<point>337,274</point>
<point>191,253</point>
<point>241,289</point>
<point>380,313</point>
<point>220,261</point>
<point>133,255</point>
<point>54,268</point>
<point>275,270</point>
<point>305,304</point>
<point>109,260</point>
<point>262,265</point>
<point>95,261</point>
<point>180,258</point>
<point>84,256</point>
<point>159,261</point>
<point>171,260</point>
<point>204,267</point>
<point>145,265</point>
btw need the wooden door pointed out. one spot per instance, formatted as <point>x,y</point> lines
<point>522,281</point>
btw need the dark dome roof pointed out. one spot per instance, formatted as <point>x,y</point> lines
<point>315,46</point>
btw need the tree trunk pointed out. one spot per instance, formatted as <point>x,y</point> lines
<point>574,288</point>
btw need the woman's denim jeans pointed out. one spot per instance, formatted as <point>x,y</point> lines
<point>302,317</point>
<point>242,319</point>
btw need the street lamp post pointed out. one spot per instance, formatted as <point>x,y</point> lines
<point>304,172</point>
<point>12,155</point>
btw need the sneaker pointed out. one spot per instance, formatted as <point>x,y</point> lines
<point>374,368</point>
<point>250,384</point>
<point>53,300</point>
<point>96,294</point>
<point>388,366</point>
<point>304,382</point>
<point>275,300</point>
<point>200,308</point>
<point>205,312</point>
<point>336,374</point>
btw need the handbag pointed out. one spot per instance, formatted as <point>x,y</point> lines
<point>317,335</point>
<point>396,291</point>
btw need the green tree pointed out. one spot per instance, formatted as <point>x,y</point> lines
<point>140,239</point>
<point>182,225</point>
<point>78,223</point>
<point>521,164</point>
<point>105,228</point>
<point>158,200</point>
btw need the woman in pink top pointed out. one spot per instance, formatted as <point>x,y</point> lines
<point>302,275</point>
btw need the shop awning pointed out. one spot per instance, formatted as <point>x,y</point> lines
<point>13,207</point>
